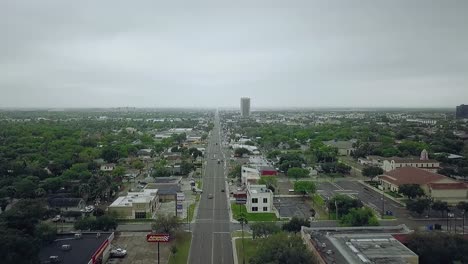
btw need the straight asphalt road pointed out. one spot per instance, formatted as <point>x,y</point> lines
<point>211,238</point>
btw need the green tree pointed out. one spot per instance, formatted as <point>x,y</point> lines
<point>24,215</point>
<point>343,168</point>
<point>46,232</point>
<point>344,204</point>
<point>239,152</point>
<point>305,187</point>
<point>118,171</point>
<point>167,224</point>
<point>110,154</point>
<point>236,171</point>
<point>18,247</point>
<point>3,204</point>
<point>263,229</point>
<point>25,188</point>
<point>270,181</point>
<point>281,248</point>
<point>411,190</point>
<point>372,171</point>
<point>419,205</point>
<point>186,167</point>
<point>294,225</point>
<point>161,171</point>
<point>297,173</point>
<point>438,247</point>
<point>440,206</point>
<point>363,216</point>
<point>463,206</point>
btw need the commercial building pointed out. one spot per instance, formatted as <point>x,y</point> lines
<point>355,245</point>
<point>78,248</point>
<point>249,175</point>
<point>462,111</point>
<point>437,186</point>
<point>167,187</point>
<point>245,106</point>
<point>259,199</point>
<point>136,205</point>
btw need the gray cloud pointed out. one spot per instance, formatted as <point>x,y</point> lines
<point>303,53</point>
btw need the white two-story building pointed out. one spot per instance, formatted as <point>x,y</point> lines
<point>259,199</point>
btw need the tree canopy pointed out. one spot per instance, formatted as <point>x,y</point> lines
<point>281,248</point>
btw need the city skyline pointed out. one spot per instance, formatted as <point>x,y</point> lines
<point>303,55</point>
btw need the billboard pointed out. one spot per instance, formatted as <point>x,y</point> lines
<point>162,238</point>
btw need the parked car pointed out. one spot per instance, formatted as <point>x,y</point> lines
<point>56,218</point>
<point>210,196</point>
<point>118,253</point>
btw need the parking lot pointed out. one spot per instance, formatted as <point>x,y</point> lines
<point>139,251</point>
<point>367,195</point>
<point>289,207</point>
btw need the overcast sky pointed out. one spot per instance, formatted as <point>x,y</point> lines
<point>299,53</point>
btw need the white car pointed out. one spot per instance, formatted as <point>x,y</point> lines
<point>118,253</point>
<point>56,218</point>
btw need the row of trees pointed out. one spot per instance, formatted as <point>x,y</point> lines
<point>422,205</point>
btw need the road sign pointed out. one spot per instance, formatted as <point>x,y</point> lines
<point>162,238</point>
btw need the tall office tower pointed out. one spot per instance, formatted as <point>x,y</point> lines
<point>245,106</point>
<point>462,111</point>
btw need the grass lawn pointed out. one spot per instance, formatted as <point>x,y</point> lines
<point>191,212</point>
<point>250,248</point>
<point>199,184</point>
<point>394,194</point>
<point>182,243</point>
<point>318,204</point>
<point>257,217</point>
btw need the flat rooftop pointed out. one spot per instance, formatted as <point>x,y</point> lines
<point>82,249</point>
<point>360,245</point>
<point>145,196</point>
<point>258,189</point>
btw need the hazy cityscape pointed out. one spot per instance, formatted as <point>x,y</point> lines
<point>254,132</point>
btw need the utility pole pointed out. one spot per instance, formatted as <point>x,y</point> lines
<point>383,204</point>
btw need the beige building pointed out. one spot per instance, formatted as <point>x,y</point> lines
<point>259,199</point>
<point>136,205</point>
<point>451,193</point>
<point>439,187</point>
<point>423,163</point>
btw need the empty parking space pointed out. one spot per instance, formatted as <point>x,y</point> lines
<point>290,207</point>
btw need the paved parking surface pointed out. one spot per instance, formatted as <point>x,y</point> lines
<point>139,251</point>
<point>289,207</point>
<point>367,195</point>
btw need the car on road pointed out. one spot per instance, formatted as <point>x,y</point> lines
<point>210,196</point>
<point>56,218</point>
<point>222,190</point>
<point>118,253</point>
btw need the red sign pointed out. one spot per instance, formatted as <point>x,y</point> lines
<point>162,238</point>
